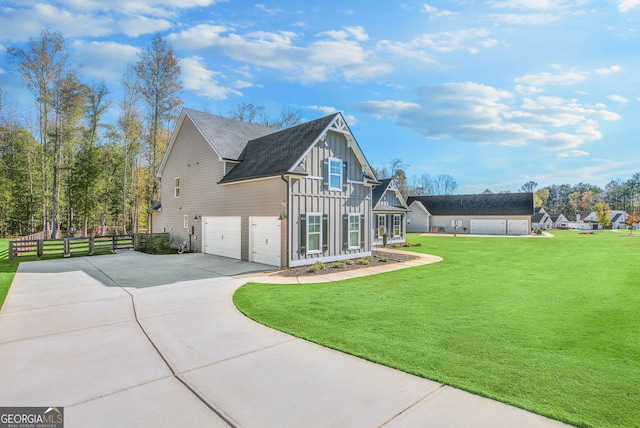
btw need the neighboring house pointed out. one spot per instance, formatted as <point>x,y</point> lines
<point>283,198</point>
<point>485,213</point>
<point>559,221</point>
<point>541,220</point>
<point>389,213</point>
<point>616,217</point>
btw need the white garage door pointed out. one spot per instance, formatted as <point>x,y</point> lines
<point>221,236</point>
<point>488,227</point>
<point>518,227</point>
<point>264,240</point>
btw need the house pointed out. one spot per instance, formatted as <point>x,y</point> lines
<point>540,219</point>
<point>559,221</point>
<point>617,219</point>
<point>282,198</point>
<point>485,213</point>
<point>389,213</point>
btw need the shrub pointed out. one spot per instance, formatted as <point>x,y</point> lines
<point>316,267</point>
<point>364,260</point>
<point>339,264</point>
<point>349,262</point>
<point>384,239</point>
<point>158,244</point>
<point>382,259</point>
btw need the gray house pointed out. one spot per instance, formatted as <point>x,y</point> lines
<point>485,213</point>
<point>283,198</point>
<point>541,220</point>
<point>389,213</point>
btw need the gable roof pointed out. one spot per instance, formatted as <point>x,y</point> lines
<point>539,217</point>
<point>478,204</point>
<point>387,184</point>
<point>227,137</point>
<point>277,153</point>
<point>281,152</point>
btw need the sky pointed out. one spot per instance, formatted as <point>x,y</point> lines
<point>493,93</point>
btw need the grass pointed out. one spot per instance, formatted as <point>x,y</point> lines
<point>7,270</point>
<point>551,325</point>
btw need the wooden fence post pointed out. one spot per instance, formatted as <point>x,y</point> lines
<point>40,250</point>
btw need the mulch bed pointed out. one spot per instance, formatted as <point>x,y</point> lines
<point>375,261</point>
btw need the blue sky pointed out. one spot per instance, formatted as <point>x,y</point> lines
<point>493,93</point>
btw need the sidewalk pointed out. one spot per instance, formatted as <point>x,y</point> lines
<point>181,354</point>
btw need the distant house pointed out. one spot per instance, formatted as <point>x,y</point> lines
<point>541,220</point>
<point>485,213</point>
<point>617,218</point>
<point>389,213</point>
<point>559,221</point>
<point>283,198</point>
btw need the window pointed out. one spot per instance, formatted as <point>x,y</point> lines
<point>397,225</point>
<point>335,174</point>
<point>185,221</point>
<point>314,233</point>
<point>382,224</point>
<point>176,185</point>
<point>354,231</point>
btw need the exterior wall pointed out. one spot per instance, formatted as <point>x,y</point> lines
<point>391,239</point>
<point>444,222</point>
<point>417,220</point>
<point>199,168</point>
<point>308,195</point>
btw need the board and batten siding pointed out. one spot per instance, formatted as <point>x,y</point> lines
<point>308,195</point>
<point>199,168</point>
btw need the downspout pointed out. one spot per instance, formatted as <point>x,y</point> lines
<point>288,199</point>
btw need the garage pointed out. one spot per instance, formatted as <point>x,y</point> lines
<point>221,236</point>
<point>264,240</point>
<point>488,227</point>
<point>518,227</point>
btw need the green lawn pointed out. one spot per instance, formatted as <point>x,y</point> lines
<point>7,270</point>
<point>551,325</point>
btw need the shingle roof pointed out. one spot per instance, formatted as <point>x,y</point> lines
<point>228,136</point>
<point>478,204</point>
<point>279,152</point>
<point>538,217</point>
<point>380,190</point>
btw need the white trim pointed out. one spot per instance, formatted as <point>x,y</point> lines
<point>355,182</point>
<point>329,259</point>
<point>176,188</point>
<point>314,177</point>
<point>273,177</point>
<point>359,217</point>
<point>319,250</point>
<point>339,174</point>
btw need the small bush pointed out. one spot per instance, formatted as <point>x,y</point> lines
<point>384,239</point>
<point>364,260</point>
<point>316,267</point>
<point>382,259</point>
<point>339,264</point>
<point>158,245</point>
<point>349,262</point>
<point>537,231</point>
<point>417,244</point>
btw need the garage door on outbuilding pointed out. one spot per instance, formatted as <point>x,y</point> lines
<point>221,236</point>
<point>518,227</point>
<point>488,227</point>
<point>264,240</point>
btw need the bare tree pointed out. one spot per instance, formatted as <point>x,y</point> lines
<point>529,187</point>
<point>250,112</point>
<point>160,85</point>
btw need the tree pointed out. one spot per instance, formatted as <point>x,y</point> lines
<point>159,78</point>
<point>631,221</point>
<point>540,197</point>
<point>43,66</point>
<point>529,187</point>
<point>602,214</point>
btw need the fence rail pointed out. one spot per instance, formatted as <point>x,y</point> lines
<point>67,247</point>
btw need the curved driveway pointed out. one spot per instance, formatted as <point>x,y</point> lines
<point>137,340</point>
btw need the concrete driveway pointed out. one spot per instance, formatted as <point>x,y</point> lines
<point>138,340</point>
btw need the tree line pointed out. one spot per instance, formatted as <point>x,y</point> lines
<point>583,198</point>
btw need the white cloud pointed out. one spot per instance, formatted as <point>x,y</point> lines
<point>105,60</point>
<point>618,99</point>
<point>435,13</point>
<point>450,41</point>
<point>204,83</point>
<point>140,25</point>
<point>528,90</point>
<point>267,10</point>
<point>482,114</point>
<point>610,70</point>
<point>335,53</point>
<point>572,154</point>
<point>527,19</point>
<point>545,78</point>
<point>628,5</point>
